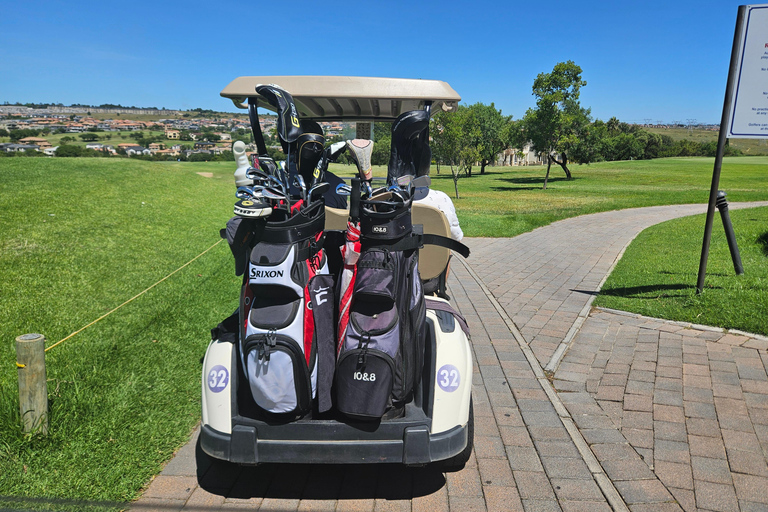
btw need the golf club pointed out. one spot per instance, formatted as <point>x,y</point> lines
<point>298,182</point>
<point>317,191</point>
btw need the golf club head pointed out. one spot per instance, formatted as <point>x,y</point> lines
<point>335,150</point>
<point>244,192</point>
<point>343,189</point>
<point>318,191</point>
<point>267,165</point>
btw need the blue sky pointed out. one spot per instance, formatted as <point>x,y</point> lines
<point>663,61</point>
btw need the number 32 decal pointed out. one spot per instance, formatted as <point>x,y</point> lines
<point>218,378</point>
<point>448,378</point>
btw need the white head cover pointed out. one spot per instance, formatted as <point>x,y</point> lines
<point>361,150</point>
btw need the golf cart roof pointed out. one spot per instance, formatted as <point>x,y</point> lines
<point>349,97</point>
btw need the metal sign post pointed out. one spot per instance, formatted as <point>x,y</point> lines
<point>745,109</point>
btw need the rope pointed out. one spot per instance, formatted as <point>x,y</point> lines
<point>132,298</point>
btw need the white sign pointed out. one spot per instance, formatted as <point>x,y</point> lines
<point>749,107</point>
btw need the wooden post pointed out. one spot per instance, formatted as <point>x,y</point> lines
<point>33,387</point>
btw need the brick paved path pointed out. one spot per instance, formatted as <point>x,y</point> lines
<point>631,413</point>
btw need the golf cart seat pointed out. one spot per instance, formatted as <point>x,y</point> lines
<point>433,259</point>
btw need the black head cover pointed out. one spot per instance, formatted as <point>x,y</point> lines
<point>309,149</point>
<point>288,127</point>
<point>410,153</point>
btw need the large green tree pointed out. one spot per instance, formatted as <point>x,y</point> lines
<point>558,126</point>
<point>492,133</point>
<point>454,141</point>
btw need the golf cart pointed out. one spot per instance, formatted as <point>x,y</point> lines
<point>312,415</point>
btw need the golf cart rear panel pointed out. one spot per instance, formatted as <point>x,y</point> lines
<point>251,438</point>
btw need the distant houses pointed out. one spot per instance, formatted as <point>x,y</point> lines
<point>36,141</point>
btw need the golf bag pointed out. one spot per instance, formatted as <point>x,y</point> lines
<point>381,354</point>
<point>286,304</point>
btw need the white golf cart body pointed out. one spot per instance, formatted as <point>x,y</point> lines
<point>437,424</point>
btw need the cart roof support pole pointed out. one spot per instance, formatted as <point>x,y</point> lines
<point>733,69</point>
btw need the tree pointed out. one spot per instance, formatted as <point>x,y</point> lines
<point>493,132</point>
<point>89,137</point>
<point>454,137</point>
<point>559,125</point>
<point>69,151</point>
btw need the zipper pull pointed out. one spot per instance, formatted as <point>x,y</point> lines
<point>362,357</point>
<point>269,343</point>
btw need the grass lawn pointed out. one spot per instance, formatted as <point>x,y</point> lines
<point>749,147</point>
<point>80,236</point>
<point>657,274</point>
<point>507,201</point>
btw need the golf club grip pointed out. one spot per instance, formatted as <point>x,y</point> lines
<point>354,200</point>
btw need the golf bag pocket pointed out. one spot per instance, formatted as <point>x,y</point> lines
<point>279,351</point>
<point>277,373</point>
<point>367,366</point>
<point>376,277</point>
<point>364,383</point>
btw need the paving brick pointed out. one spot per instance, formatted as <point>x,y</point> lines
<point>533,485</point>
<point>470,504</point>
<point>541,506</point>
<point>711,470</point>
<point>703,427</point>
<point>736,440</point>
<point>711,447</point>
<point>638,403</point>
<point>606,435</point>
<point>515,436</point>
<point>503,498</point>
<point>576,490</point>
<point>613,451</point>
<point>495,472</point>
<point>202,499</point>
<point>524,459</point>
<point>636,419</point>
<point>700,410</point>
<point>638,438</point>
<point>686,498</point>
<point>642,491</point>
<point>668,413</point>
<point>585,506</point>
<point>751,488</point>
<point>627,469</point>
<point>464,483</point>
<point>171,487</point>
<point>671,451</point>
<point>489,447</point>
<point>556,449</point>
<point>750,463</point>
<point>669,431</point>
<point>718,497</point>
<point>146,504</point>
<point>655,507</point>
<point>674,474</point>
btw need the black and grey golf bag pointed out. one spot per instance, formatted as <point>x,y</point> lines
<point>381,355</point>
<point>286,304</point>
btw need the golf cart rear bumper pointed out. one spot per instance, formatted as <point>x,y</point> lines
<point>415,446</point>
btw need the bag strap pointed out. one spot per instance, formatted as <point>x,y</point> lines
<point>310,250</point>
<point>258,137</point>
<point>439,305</point>
<point>418,240</point>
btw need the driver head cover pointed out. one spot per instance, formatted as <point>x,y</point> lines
<point>360,150</point>
<point>251,208</point>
